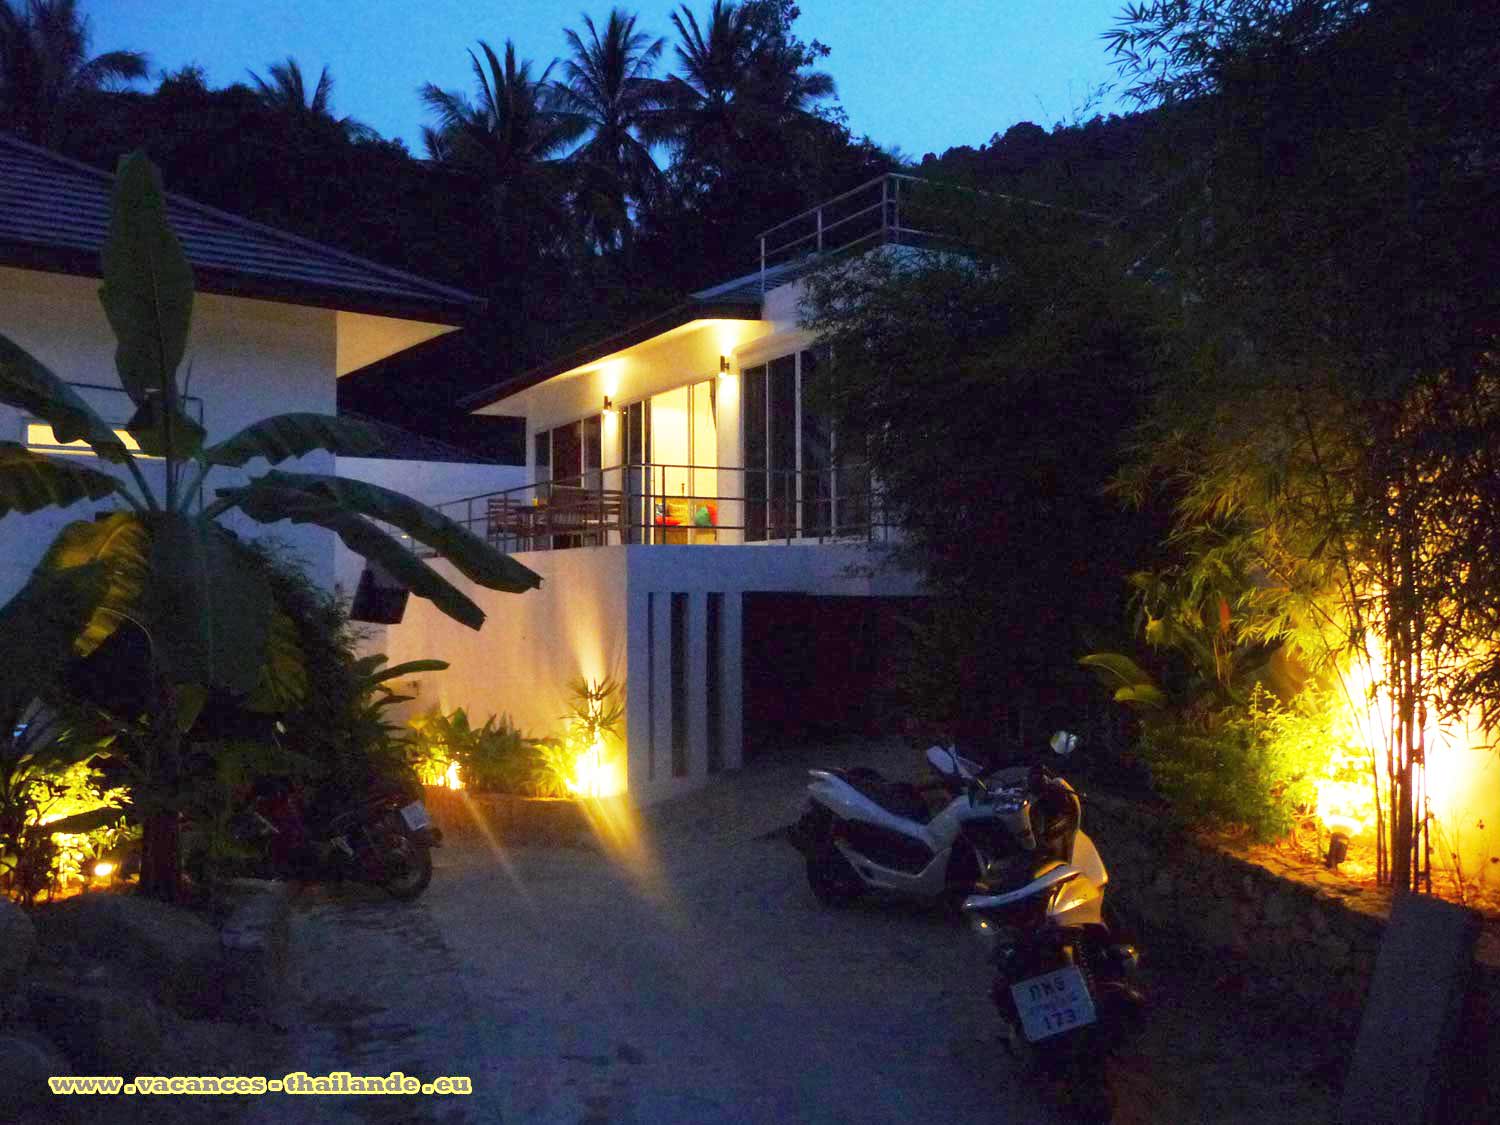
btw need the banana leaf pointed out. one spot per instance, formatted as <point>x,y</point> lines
<point>118,544</point>
<point>31,481</point>
<point>471,555</point>
<point>410,668</point>
<point>294,435</point>
<point>283,676</point>
<point>1115,669</point>
<point>149,426</point>
<point>148,285</point>
<point>38,628</point>
<point>268,503</point>
<point>365,539</point>
<point>1144,697</point>
<point>88,821</point>
<point>208,607</point>
<point>28,385</point>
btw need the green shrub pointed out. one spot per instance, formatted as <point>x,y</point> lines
<point>1255,767</point>
<point>495,757</point>
<point>58,814</point>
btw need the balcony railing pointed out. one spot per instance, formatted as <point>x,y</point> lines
<point>893,208</point>
<point>651,503</point>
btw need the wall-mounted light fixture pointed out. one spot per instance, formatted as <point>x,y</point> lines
<point>723,365</point>
<point>609,405</point>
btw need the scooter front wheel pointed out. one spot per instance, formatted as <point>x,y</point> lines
<point>832,880</point>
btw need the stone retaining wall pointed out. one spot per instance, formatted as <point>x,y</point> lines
<point>1304,936</point>
<point>1287,933</point>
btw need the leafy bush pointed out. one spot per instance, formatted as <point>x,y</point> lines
<point>495,757</point>
<point>58,814</point>
<point>498,758</point>
<point>1257,767</point>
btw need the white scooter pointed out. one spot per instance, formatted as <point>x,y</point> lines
<point>861,832</point>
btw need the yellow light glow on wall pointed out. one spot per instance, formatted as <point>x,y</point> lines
<point>42,438</point>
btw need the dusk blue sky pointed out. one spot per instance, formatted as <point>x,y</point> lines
<point>919,74</point>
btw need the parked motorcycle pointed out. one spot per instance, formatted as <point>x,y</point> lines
<point>385,838</point>
<point>1064,976</point>
<point>861,832</point>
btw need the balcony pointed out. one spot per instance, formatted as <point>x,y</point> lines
<point>677,505</point>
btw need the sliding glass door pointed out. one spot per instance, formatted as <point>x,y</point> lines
<point>800,480</point>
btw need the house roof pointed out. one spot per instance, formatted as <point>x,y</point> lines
<point>735,307</point>
<point>54,215</point>
<point>753,286</point>
<point>403,445</point>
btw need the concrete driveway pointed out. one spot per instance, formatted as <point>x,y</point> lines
<point>683,973</point>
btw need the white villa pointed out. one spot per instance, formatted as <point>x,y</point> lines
<point>277,320</point>
<point>702,536</point>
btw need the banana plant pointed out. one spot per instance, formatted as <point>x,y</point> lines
<point>167,569</point>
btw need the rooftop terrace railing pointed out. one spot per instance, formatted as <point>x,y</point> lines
<point>893,208</point>
<point>682,505</point>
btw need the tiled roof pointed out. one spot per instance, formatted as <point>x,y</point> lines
<point>54,215</point>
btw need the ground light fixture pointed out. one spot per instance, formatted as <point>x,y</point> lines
<point>1338,850</point>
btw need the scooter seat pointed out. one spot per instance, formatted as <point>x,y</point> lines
<point>899,798</point>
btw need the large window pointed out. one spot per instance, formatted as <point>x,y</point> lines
<point>570,454</point>
<point>800,479</point>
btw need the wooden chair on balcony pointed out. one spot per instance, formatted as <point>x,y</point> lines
<point>584,517</point>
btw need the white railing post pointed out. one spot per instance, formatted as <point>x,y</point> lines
<point>885,182</point>
<point>820,229</point>
<point>896,208</point>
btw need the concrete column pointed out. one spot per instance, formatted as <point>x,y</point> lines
<point>637,692</point>
<point>661,687</point>
<point>697,684</point>
<point>732,686</point>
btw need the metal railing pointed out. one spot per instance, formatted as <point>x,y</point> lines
<point>684,505</point>
<point>879,211</point>
<point>893,208</point>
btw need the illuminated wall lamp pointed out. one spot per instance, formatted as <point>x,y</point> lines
<point>609,405</point>
<point>723,366</point>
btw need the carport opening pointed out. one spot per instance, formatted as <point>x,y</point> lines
<point>818,668</point>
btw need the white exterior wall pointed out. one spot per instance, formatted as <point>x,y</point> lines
<point>248,359</point>
<point>605,611</point>
<point>531,646</point>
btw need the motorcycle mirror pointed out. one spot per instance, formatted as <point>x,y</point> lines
<point>1064,743</point>
<point>941,759</point>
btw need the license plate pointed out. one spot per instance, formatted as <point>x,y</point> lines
<point>1053,1003</point>
<point>415,815</point>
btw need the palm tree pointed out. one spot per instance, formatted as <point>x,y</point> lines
<point>286,94</point>
<point>610,90</point>
<point>742,75</point>
<point>45,67</point>
<point>509,138</point>
<point>712,66</point>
